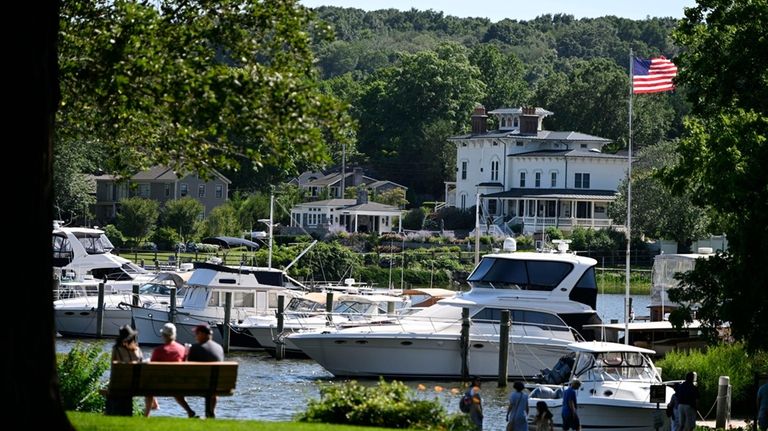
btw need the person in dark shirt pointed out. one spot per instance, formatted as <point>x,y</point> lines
<point>687,395</point>
<point>206,350</point>
<point>570,407</point>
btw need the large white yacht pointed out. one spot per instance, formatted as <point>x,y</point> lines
<point>548,295</point>
<point>81,252</point>
<point>254,291</point>
<point>615,391</point>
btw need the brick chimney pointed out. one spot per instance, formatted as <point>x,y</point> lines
<point>529,121</point>
<point>479,120</point>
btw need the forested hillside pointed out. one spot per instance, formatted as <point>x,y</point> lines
<point>412,78</point>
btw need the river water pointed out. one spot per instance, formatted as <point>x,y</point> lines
<point>271,390</point>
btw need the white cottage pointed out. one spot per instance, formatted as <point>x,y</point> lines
<point>353,215</point>
<point>533,177</point>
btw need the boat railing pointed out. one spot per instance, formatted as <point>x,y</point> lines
<point>531,329</point>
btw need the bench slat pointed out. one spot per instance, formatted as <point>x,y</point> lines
<point>173,379</point>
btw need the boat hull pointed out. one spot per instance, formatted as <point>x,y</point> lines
<point>423,356</point>
<point>595,415</point>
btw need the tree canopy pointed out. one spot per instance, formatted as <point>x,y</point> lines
<point>722,159</point>
<point>195,84</point>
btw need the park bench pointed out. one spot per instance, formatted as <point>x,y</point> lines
<point>170,379</point>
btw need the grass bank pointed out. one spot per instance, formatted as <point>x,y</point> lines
<point>99,422</point>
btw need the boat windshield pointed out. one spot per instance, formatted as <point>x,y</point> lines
<point>95,243</point>
<point>302,305</point>
<point>504,273</point>
<point>353,308</point>
<point>160,289</point>
<point>614,366</point>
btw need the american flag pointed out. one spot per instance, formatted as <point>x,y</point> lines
<point>652,75</point>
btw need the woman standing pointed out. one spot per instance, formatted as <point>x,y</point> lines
<point>517,411</point>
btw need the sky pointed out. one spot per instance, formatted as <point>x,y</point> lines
<point>497,10</point>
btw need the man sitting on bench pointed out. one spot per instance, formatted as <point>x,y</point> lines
<point>206,350</point>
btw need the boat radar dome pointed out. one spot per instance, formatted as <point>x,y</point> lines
<point>510,245</point>
<point>562,245</point>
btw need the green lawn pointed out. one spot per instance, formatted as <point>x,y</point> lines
<point>99,422</point>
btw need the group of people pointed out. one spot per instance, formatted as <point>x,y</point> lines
<point>517,409</point>
<point>126,350</point>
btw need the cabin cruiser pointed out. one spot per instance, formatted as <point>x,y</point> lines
<point>308,312</point>
<point>75,313</point>
<point>254,292</point>
<point>615,390</point>
<point>548,296</point>
<point>80,252</point>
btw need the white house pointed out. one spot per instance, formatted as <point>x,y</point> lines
<point>533,177</point>
<point>354,215</point>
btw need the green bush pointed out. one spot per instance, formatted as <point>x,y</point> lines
<point>166,238</point>
<point>730,360</point>
<point>388,404</point>
<point>80,373</point>
<point>414,219</point>
<point>115,236</point>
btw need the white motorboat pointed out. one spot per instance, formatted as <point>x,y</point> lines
<point>308,312</point>
<point>615,391</point>
<point>204,301</point>
<point>548,294</point>
<point>75,313</point>
<point>80,252</point>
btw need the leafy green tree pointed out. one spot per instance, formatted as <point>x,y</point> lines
<point>137,217</point>
<point>74,191</point>
<point>394,197</point>
<point>181,215</point>
<point>286,197</point>
<point>503,75</point>
<point>195,84</point>
<point>223,220</point>
<point>656,211</point>
<point>722,160</point>
<point>409,110</point>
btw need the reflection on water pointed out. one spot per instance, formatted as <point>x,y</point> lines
<point>273,390</point>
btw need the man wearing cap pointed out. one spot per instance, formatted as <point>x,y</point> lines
<point>206,350</point>
<point>170,351</point>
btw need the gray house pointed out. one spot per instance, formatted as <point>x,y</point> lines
<point>159,183</point>
<point>315,183</point>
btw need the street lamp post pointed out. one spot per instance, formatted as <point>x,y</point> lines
<point>269,222</point>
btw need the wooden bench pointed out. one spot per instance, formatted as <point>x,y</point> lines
<point>173,379</point>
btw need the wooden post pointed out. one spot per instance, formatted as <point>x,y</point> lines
<point>279,344</point>
<point>723,402</point>
<point>100,312</point>
<point>135,295</point>
<point>464,343</point>
<point>328,309</point>
<point>172,306</point>
<point>227,317</point>
<point>504,325</point>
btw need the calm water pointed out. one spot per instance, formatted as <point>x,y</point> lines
<point>273,390</point>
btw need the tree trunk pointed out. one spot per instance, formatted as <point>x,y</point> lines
<point>30,370</point>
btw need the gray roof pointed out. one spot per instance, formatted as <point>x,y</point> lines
<point>372,206</point>
<point>541,135</point>
<point>519,111</point>
<point>377,184</point>
<point>164,173</point>
<point>568,153</point>
<point>589,194</point>
<point>335,177</point>
<point>349,205</point>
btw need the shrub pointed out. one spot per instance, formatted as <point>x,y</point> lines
<point>723,360</point>
<point>414,219</point>
<point>115,236</point>
<point>80,374</point>
<point>165,238</point>
<point>389,405</point>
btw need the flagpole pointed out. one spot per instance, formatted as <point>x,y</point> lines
<point>629,202</point>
